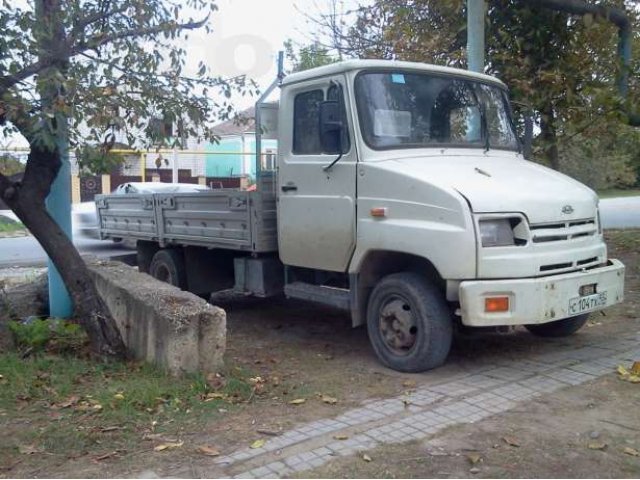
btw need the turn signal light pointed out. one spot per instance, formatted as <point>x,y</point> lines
<point>496,304</point>
<point>378,212</point>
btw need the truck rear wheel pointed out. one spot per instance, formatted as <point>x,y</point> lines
<point>167,266</point>
<point>559,328</point>
<point>409,323</point>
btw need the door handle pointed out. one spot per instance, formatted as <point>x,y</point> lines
<point>289,188</point>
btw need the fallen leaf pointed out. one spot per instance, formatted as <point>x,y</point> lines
<point>119,396</point>
<point>622,371</point>
<point>329,400</point>
<point>105,456</point>
<point>341,436</point>
<point>409,384</point>
<point>213,396</point>
<point>298,401</point>
<point>597,445</point>
<point>366,457</point>
<point>69,402</point>
<point>111,429</point>
<point>511,441</point>
<point>258,443</point>
<point>167,446</point>
<point>208,451</point>
<point>474,458</point>
<point>29,449</point>
<point>631,451</point>
<point>632,376</point>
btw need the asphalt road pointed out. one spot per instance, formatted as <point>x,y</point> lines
<point>26,251</point>
<point>621,212</point>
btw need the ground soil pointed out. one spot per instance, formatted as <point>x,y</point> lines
<point>302,351</point>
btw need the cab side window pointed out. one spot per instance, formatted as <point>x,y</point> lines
<point>306,128</point>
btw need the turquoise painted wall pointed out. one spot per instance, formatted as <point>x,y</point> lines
<point>228,165</point>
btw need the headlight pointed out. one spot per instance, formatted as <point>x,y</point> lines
<point>496,232</point>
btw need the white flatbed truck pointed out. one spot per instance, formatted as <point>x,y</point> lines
<point>401,196</point>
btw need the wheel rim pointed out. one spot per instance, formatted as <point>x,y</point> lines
<point>398,325</point>
<point>163,274</point>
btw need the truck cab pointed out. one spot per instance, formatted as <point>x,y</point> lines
<point>432,202</point>
<point>402,196</point>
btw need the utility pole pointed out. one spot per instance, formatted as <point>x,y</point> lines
<point>59,207</point>
<point>476,10</point>
<point>475,56</point>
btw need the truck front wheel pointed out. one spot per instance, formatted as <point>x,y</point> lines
<point>167,266</point>
<point>409,323</point>
<point>559,328</point>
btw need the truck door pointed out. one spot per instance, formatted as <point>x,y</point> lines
<point>316,208</point>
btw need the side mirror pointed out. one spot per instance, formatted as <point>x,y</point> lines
<point>331,127</point>
<point>525,116</point>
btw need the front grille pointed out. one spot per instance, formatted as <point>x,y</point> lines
<point>556,267</point>
<point>563,231</point>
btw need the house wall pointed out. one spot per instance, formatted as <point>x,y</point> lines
<point>229,161</point>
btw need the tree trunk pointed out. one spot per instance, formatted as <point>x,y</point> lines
<point>549,136</point>
<point>27,201</point>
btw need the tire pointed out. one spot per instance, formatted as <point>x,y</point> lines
<point>559,328</point>
<point>409,323</point>
<point>167,266</point>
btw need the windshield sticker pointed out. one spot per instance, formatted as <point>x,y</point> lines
<point>397,78</point>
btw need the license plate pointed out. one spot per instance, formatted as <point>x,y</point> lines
<point>580,305</point>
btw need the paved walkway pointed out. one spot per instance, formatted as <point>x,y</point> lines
<point>420,413</point>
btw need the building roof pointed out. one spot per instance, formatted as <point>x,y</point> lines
<point>350,65</point>
<point>244,122</point>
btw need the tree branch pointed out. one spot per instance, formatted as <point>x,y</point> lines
<point>5,185</point>
<point>9,81</point>
<point>98,41</point>
<point>82,23</point>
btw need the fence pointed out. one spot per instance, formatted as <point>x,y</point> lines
<point>167,166</point>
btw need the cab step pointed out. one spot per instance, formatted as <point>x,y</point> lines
<point>332,296</point>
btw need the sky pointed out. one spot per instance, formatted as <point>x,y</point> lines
<point>249,33</point>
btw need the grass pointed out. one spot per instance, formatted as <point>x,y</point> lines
<point>9,226</point>
<point>626,239</point>
<point>618,192</point>
<point>61,404</point>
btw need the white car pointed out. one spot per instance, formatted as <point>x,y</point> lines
<point>85,217</point>
<point>158,187</point>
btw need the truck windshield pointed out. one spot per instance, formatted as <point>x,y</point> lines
<point>412,110</point>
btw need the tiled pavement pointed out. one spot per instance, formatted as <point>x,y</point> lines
<point>490,389</point>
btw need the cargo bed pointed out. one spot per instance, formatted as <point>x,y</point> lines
<point>228,219</point>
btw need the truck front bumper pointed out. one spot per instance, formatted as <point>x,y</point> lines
<point>542,299</point>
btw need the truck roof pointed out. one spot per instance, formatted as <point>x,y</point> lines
<point>350,65</point>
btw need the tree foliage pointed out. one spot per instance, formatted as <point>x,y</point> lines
<point>308,56</point>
